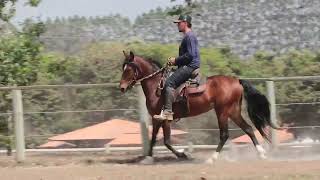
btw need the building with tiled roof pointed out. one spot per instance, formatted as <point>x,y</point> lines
<point>115,132</point>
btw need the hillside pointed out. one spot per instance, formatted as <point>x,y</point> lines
<point>246,26</point>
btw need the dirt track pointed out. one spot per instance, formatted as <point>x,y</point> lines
<point>221,170</point>
<point>99,166</point>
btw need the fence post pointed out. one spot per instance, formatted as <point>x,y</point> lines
<point>144,121</point>
<point>190,147</point>
<point>273,116</point>
<point>18,124</point>
<point>107,148</point>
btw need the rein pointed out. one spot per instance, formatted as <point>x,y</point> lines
<point>137,71</point>
<point>151,75</point>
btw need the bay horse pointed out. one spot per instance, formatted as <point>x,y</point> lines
<point>222,93</point>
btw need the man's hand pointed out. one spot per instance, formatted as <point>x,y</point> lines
<point>171,61</point>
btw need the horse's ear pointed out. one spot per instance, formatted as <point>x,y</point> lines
<point>125,54</point>
<point>131,57</point>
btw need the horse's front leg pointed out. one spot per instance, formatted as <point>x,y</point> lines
<point>166,126</point>
<point>155,129</point>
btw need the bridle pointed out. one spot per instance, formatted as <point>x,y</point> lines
<point>138,71</point>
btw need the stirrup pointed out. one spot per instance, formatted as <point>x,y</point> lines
<point>164,116</point>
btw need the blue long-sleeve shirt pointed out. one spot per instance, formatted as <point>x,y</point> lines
<point>189,51</point>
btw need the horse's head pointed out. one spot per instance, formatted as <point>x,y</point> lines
<point>130,72</point>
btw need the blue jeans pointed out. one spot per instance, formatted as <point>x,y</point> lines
<point>180,76</point>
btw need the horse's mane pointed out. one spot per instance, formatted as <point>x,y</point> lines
<point>156,64</point>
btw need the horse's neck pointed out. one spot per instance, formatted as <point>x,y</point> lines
<point>149,87</point>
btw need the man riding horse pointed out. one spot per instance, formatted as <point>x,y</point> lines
<point>222,93</point>
<point>187,61</point>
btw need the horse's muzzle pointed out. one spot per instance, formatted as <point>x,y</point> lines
<point>123,90</point>
<point>123,87</point>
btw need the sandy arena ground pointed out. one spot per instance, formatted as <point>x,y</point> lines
<point>240,164</point>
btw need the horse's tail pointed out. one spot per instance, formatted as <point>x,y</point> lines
<point>258,109</point>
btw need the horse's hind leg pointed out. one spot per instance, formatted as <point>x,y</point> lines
<point>238,119</point>
<point>224,133</point>
<point>166,126</point>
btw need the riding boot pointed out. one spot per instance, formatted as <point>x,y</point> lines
<point>167,113</point>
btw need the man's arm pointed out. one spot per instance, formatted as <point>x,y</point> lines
<point>187,57</point>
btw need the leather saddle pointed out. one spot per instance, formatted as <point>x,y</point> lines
<point>193,86</point>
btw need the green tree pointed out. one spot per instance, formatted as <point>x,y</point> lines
<point>188,7</point>
<point>20,53</point>
<point>20,56</point>
<point>7,8</point>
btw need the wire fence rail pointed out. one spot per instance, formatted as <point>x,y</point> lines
<point>18,112</point>
<point>183,129</point>
<point>163,149</point>
<point>59,86</point>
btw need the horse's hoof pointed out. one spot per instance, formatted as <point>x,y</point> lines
<point>209,161</point>
<point>262,156</point>
<point>148,160</point>
<point>189,155</point>
<point>260,149</point>
<point>183,156</point>
<point>215,156</point>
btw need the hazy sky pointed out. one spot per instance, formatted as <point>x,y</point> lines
<point>53,8</point>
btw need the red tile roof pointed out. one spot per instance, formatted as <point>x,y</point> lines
<point>135,138</point>
<point>55,144</point>
<point>119,132</point>
<point>106,130</point>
